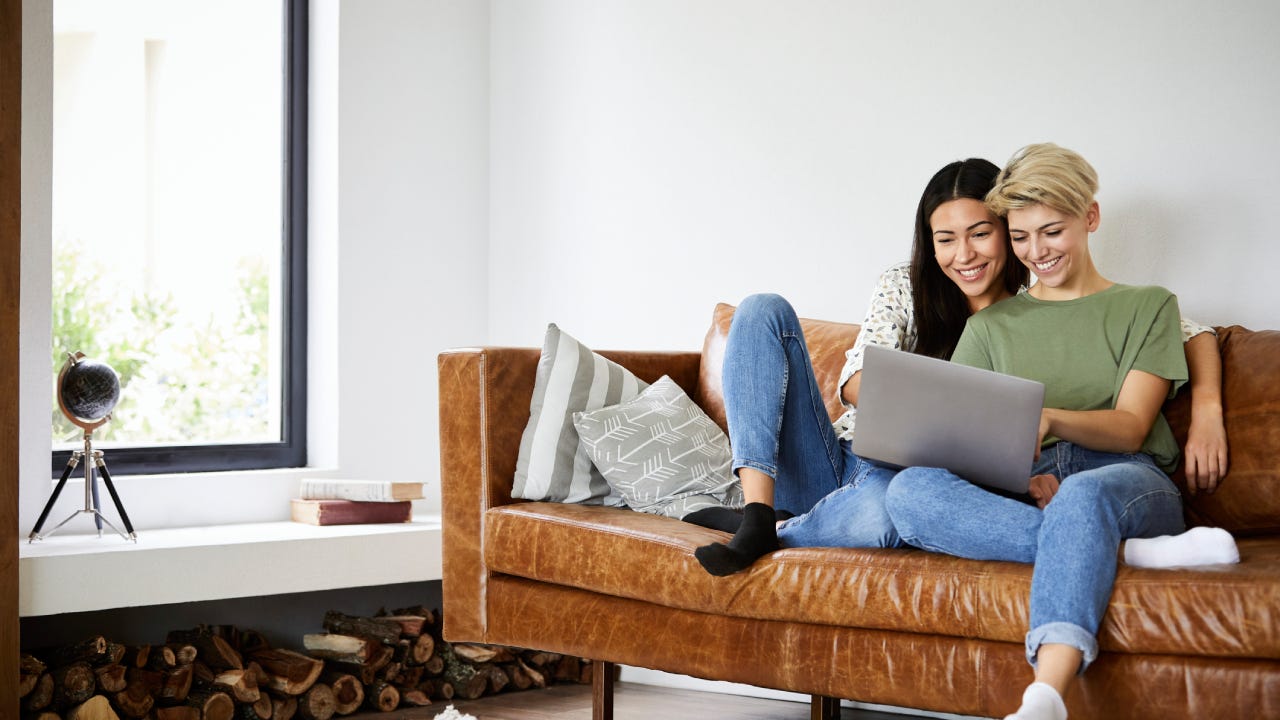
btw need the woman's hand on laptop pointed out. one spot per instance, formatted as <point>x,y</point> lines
<point>1042,489</point>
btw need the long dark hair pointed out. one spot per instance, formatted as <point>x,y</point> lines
<point>941,308</point>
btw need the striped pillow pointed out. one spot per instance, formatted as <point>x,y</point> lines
<point>552,465</point>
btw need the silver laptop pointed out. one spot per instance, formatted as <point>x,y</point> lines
<point>917,411</point>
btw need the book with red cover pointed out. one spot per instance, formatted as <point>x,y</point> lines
<point>350,512</point>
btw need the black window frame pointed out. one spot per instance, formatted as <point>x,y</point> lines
<point>291,450</point>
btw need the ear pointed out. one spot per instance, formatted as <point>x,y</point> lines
<point>1093,216</point>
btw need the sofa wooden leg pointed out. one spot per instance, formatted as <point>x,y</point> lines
<point>602,689</point>
<point>822,707</point>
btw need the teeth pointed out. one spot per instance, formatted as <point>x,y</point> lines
<point>1046,265</point>
<point>972,273</point>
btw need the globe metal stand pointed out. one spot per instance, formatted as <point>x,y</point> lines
<point>92,458</point>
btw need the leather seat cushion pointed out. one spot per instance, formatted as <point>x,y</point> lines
<point>1226,611</point>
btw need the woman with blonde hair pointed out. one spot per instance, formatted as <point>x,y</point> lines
<point>1109,355</point>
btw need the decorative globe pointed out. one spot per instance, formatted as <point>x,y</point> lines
<point>89,389</point>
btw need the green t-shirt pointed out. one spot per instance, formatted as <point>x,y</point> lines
<point>1083,349</point>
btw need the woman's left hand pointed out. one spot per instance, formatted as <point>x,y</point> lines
<point>1206,452</point>
<point>1043,488</point>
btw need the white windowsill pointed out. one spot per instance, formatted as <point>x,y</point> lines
<point>76,573</point>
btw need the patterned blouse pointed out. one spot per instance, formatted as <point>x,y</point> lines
<point>890,322</point>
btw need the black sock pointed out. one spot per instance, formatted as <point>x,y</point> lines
<point>716,518</point>
<point>726,519</point>
<point>755,537</point>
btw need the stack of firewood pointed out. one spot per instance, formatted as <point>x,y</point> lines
<point>400,659</point>
<point>222,673</point>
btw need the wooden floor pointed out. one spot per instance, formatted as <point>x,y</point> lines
<point>631,702</point>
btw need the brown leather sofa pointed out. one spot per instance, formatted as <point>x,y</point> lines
<point>896,627</point>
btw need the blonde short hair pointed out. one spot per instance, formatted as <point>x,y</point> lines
<point>1044,174</point>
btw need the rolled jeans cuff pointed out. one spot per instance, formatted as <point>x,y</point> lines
<point>1063,633</point>
<point>771,471</point>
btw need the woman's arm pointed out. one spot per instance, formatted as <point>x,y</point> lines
<point>1121,430</point>
<point>849,393</point>
<point>1206,451</point>
<point>887,323</point>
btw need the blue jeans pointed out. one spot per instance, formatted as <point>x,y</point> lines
<point>1103,499</point>
<point>778,424</point>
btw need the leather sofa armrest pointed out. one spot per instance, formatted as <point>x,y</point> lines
<point>484,407</point>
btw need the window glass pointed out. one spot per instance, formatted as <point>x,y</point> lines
<point>169,218</point>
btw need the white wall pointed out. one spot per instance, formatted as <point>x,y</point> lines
<point>413,222</point>
<point>652,158</point>
<point>35,330</point>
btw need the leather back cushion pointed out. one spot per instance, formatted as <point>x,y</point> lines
<point>1246,503</point>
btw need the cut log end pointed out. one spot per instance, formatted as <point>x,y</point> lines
<point>348,692</point>
<point>72,685</point>
<point>95,708</point>
<point>212,705</point>
<point>317,703</point>
<point>382,696</point>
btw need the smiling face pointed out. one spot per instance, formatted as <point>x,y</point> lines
<point>1054,245</point>
<point>969,245</point>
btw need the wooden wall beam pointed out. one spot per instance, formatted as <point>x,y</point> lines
<point>10,284</point>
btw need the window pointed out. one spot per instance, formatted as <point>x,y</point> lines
<point>179,227</point>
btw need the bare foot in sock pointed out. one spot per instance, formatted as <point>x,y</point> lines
<point>755,537</point>
<point>1040,702</point>
<point>1197,546</point>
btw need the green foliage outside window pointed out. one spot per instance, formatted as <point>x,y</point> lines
<point>183,380</point>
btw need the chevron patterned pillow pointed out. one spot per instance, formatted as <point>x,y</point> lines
<point>570,378</point>
<point>661,452</point>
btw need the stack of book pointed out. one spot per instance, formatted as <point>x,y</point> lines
<point>351,502</point>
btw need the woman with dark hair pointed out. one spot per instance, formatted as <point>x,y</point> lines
<point>938,292</point>
<point>787,453</point>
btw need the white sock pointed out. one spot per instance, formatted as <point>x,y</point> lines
<point>1197,546</point>
<point>1040,702</point>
